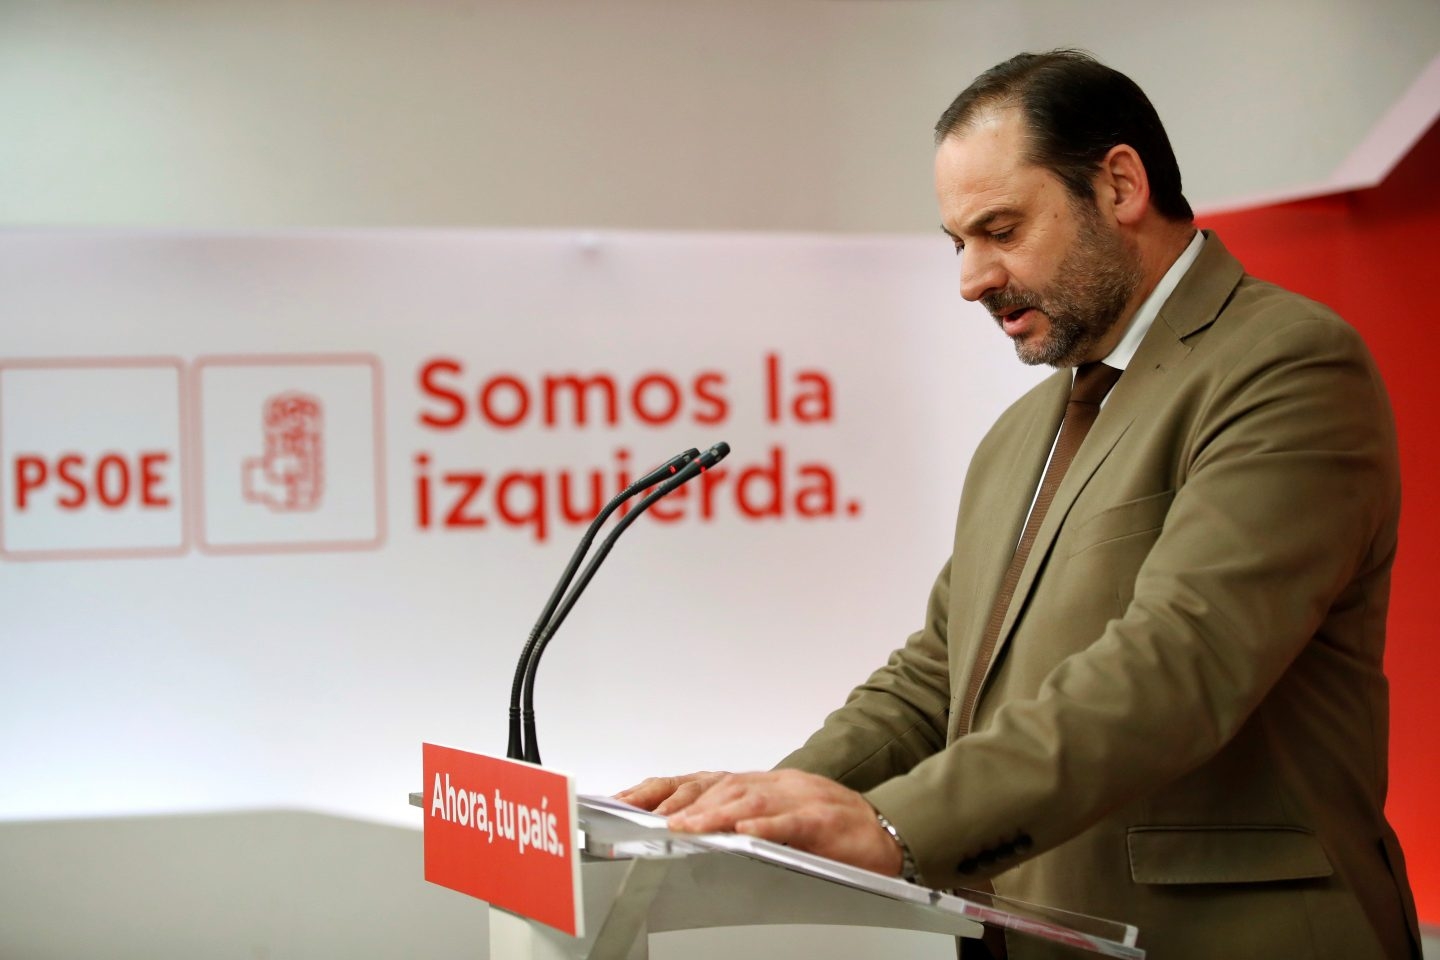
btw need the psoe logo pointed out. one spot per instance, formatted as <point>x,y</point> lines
<point>92,458</point>
<point>289,452</point>
<point>290,474</point>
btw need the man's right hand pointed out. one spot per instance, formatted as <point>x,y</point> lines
<point>667,795</point>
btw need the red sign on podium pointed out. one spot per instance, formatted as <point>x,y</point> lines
<point>503,831</point>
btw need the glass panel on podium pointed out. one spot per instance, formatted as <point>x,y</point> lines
<point>616,830</point>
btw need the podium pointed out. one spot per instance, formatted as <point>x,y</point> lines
<point>639,878</point>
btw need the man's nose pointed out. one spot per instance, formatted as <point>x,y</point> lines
<point>980,273</point>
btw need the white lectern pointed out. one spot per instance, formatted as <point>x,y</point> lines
<point>638,878</point>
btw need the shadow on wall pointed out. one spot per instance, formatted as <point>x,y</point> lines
<point>246,885</point>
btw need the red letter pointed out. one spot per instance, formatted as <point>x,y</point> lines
<point>30,475</point>
<point>709,481</point>
<point>637,395</point>
<point>522,400</point>
<point>579,388</point>
<point>818,499</point>
<point>471,484</point>
<point>772,387</point>
<point>622,477</point>
<point>150,478</point>
<point>536,516</point>
<point>818,397</point>
<point>77,499</point>
<point>597,498</point>
<point>102,469</point>
<point>422,490</point>
<point>429,386</point>
<point>719,407</point>
<point>661,511</point>
<point>771,477</point>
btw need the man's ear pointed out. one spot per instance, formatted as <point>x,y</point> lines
<point>1122,186</point>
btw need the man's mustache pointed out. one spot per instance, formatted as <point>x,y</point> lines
<point>1006,302</point>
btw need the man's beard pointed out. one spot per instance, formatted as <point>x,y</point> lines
<point>1085,299</point>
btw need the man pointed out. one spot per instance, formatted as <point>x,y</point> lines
<point>1149,682</point>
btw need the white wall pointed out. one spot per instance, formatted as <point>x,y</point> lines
<point>781,115</point>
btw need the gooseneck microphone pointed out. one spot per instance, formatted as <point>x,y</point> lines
<point>687,473</point>
<point>516,748</point>
<point>668,476</point>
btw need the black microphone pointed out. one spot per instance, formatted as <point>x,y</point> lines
<point>516,748</point>
<point>687,473</point>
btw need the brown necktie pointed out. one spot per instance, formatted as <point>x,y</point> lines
<point>1092,382</point>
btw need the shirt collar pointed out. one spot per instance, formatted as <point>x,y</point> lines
<point>1124,351</point>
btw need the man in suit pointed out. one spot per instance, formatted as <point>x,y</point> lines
<point>1149,683</point>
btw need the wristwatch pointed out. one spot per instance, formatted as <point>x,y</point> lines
<point>907,862</point>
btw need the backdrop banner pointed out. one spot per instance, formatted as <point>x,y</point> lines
<point>279,508</point>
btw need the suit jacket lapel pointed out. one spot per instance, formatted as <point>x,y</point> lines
<point>1196,302</point>
<point>1008,505</point>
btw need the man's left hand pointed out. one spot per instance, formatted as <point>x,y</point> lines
<point>802,810</point>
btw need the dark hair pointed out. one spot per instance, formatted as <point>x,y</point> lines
<point>1076,109</point>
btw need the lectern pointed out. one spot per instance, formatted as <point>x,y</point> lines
<point>638,878</point>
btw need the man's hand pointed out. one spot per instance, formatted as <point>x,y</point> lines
<point>667,795</point>
<point>803,810</point>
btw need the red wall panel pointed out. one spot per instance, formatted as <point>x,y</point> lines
<point>1374,256</point>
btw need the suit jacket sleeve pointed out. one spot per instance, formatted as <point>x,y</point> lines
<point>897,717</point>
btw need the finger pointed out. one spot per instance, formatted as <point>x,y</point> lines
<point>721,808</point>
<point>712,786</point>
<point>686,794</point>
<point>650,792</point>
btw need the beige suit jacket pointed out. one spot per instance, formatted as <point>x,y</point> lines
<point>1184,726</point>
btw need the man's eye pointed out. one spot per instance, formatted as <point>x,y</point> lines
<point>1002,236</point>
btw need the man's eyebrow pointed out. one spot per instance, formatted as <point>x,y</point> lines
<point>983,222</point>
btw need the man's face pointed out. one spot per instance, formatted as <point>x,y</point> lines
<point>1052,273</point>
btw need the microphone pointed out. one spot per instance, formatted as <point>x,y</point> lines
<point>687,473</point>
<point>516,747</point>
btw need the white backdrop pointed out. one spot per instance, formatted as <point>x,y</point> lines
<point>243,656</point>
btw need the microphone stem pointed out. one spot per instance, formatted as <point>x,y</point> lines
<point>515,749</point>
<point>531,744</point>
